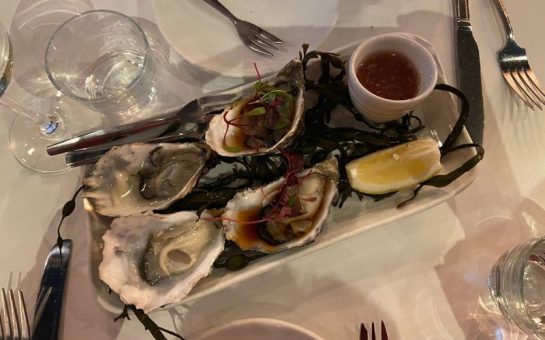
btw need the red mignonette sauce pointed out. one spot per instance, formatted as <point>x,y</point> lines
<point>389,74</point>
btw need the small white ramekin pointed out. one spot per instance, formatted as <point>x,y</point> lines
<point>376,108</point>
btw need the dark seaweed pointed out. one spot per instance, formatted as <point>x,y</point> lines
<point>149,325</point>
<point>233,258</point>
<point>67,210</point>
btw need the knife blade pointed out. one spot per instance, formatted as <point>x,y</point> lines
<point>469,70</point>
<point>47,316</point>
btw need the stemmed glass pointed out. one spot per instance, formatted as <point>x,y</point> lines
<point>39,121</point>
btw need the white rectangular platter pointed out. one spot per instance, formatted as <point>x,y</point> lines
<point>438,114</point>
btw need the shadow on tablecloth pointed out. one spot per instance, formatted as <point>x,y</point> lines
<point>504,219</point>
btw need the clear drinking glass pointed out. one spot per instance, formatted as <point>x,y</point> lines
<point>6,59</point>
<point>517,285</point>
<point>103,59</point>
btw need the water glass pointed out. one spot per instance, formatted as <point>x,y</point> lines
<point>517,285</point>
<point>103,59</point>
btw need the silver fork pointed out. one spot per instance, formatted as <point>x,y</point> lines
<point>515,67</point>
<point>251,35</point>
<point>13,319</point>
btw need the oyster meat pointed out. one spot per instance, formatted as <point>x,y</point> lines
<point>155,260</point>
<point>264,122</point>
<point>286,213</point>
<point>141,177</point>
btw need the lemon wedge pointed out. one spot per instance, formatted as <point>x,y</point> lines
<point>399,167</point>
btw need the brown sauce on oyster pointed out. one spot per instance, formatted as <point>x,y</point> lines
<point>248,234</point>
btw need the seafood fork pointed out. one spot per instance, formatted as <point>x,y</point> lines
<point>516,69</point>
<point>91,155</point>
<point>165,128</point>
<point>161,130</point>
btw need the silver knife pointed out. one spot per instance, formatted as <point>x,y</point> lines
<point>47,316</point>
<point>469,71</point>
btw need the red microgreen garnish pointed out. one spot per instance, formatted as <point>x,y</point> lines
<point>264,118</point>
<point>287,203</point>
<point>257,72</point>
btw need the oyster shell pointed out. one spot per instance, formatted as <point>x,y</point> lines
<point>155,260</point>
<point>231,140</point>
<point>141,177</point>
<point>249,223</point>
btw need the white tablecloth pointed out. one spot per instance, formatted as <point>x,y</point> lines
<point>423,275</point>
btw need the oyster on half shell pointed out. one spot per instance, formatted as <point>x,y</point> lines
<point>155,260</point>
<point>141,177</point>
<point>264,122</point>
<point>286,213</point>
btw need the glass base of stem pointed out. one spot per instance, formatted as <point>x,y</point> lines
<point>28,144</point>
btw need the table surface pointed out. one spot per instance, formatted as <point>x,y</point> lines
<point>422,275</point>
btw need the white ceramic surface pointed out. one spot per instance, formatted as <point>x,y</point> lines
<point>355,217</point>
<point>379,109</point>
<point>209,40</point>
<point>259,328</point>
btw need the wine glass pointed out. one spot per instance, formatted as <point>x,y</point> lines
<point>40,120</point>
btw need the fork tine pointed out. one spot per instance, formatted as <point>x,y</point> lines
<point>6,322</point>
<point>530,88</point>
<point>3,318</point>
<point>264,43</point>
<point>534,81</point>
<point>255,47</point>
<point>218,99</point>
<point>516,78</point>
<point>383,334</point>
<point>23,316</point>
<point>15,326</point>
<point>261,44</point>
<point>373,335</point>
<point>271,37</point>
<point>508,76</point>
